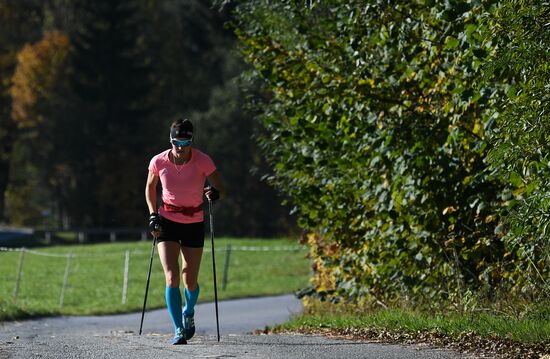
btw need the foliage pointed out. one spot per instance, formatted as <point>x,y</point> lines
<point>520,153</point>
<point>376,132</point>
<point>189,51</point>
<point>112,81</point>
<point>39,102</point>
<point>35,77</point>
<point>20,21</point>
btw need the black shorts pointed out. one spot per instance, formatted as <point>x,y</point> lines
<point>186,234</point>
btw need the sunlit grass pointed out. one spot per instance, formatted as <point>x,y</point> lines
<point>532,328</point>
<point>96,276</point>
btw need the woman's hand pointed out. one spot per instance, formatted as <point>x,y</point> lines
<point>212,193</point>
<point>154,224</point>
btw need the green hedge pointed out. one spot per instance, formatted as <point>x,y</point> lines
<point>378,116</point>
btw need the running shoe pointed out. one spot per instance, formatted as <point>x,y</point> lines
<point>189,324</point>
<point>179,337</point>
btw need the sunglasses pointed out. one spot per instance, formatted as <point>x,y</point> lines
<point>179,143</point>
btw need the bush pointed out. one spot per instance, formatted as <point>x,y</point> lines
<point>377,130</point>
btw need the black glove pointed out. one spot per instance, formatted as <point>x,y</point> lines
<point>154,222</point>
<point>212,193</point>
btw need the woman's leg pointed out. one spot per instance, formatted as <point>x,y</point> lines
<point>190,270</point>
<point>169,255</point>
<point>191,265</point>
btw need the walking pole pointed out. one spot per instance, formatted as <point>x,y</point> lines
<point>147,285</point>
<point>214,266</point>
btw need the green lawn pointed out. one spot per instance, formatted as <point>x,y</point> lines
<point>96,276</point>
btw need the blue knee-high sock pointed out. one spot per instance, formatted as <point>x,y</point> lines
<point>174,301</point>
<point>190,300</point>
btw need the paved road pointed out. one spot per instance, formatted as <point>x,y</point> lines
<point>116,336</point>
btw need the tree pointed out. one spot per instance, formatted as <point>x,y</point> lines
<point>112,80</point>
<point>40,69</point>
<point>227,132</point>
<point>189,47</point>
<point>20,21</point>
<point>40,100</point>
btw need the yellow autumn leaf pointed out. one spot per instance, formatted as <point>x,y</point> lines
<point>490,218</point>
<point>449,210</point>
<point>517,192</point>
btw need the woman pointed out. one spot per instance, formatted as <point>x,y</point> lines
<point>179,222</point>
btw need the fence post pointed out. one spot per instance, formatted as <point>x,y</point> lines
<point>65,280</point>
<point>18,278</point>
<point>125,284</point>
<point>226,265</point>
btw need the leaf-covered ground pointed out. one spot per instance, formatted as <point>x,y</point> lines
<point>493,347</point>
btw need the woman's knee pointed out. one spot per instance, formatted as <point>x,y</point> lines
<point>189,280</point>
<point>172,279</point>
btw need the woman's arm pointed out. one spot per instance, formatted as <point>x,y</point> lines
<point>151,192</point>
<point>215,181</point>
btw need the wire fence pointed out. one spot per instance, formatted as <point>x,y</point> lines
<point>48,269</point>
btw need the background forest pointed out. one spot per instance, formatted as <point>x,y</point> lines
<point>88,91</point>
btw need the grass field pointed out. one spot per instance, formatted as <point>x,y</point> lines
<point>96,276</point>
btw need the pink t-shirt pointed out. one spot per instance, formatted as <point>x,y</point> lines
<point>182,185</point>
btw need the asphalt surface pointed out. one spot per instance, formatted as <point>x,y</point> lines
<point>117,336</point>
